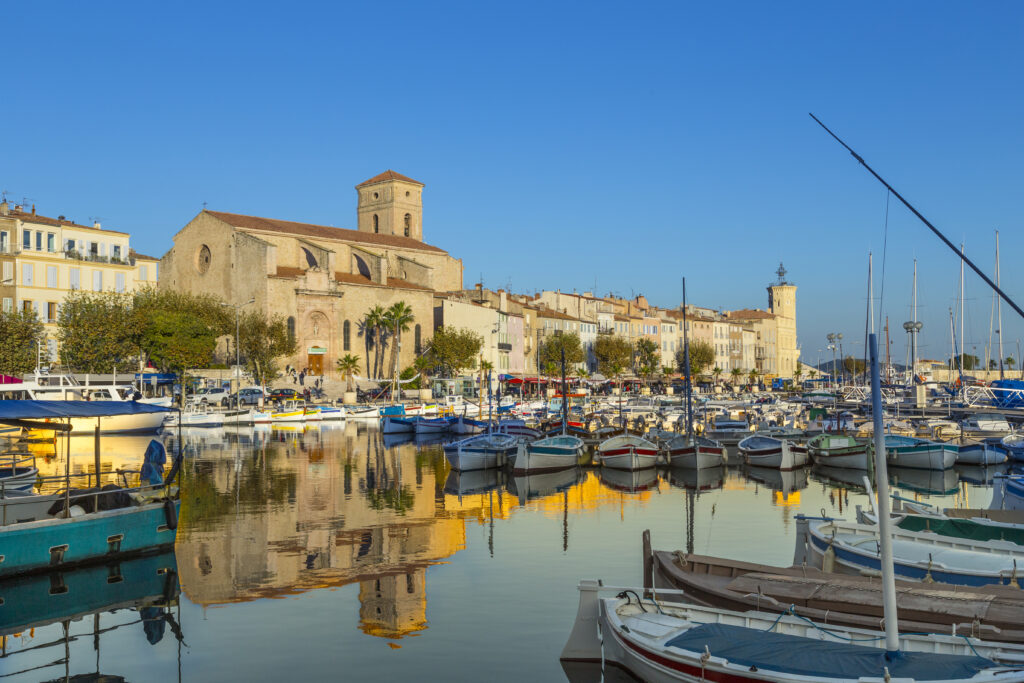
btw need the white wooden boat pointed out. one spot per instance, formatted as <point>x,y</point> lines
<point>548,455</point>
<point>768,451</point>
<point>627,452</point>
<point>194,417</point>
<point>312,414</point>
<point>661,641</point>
<point>332,412</point>
<point>980,454</point>
<point>362,411</point>
<point>290,411</point>
<point>391,424</point>
<point>921,454</point>
<point>465,425</point>
<point>629,481</point>
<point>833,450</point>
<point>917,555</point>
<point>480,452</point>
<point>694,453</point>
<point>437,425</point>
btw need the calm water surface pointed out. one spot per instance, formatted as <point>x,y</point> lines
<point>327,552</point>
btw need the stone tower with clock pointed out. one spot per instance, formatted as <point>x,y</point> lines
<point>391,204</point>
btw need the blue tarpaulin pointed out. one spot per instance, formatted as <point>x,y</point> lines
<point>39,410</point>
<point>1009,393</point>
<point>821,658</point>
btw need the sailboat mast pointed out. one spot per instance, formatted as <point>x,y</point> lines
<point>686,363</point>
<point>869,324</point>
<point>565,396</point>
<point>999,308</point>
<point>961,361</point>
<point>913,334</point>
<point>888,357</point>
<point>892,636</point>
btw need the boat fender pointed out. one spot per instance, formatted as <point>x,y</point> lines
<point>928,575</point>
<point>170,514</point>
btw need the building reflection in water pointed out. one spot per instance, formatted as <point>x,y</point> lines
<point>273,513</point>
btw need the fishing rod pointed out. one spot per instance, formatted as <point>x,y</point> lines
<point>924,220</point>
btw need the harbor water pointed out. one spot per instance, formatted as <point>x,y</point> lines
<point>331,552</point>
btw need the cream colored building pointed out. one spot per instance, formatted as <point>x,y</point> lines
<point>42,259</point>
<point>322,280</point>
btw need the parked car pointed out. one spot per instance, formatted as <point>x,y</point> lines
<point>249,396</point>
<point>282,395</point>
<point>210,396</point>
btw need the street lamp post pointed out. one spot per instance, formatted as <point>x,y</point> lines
<point>913,328</point>
<point>238,381</point>
<point>835,342</point>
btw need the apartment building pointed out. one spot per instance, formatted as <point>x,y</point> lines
<point>42,259</point>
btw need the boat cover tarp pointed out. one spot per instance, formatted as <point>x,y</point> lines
<point>1012,394</point>
<point>824,659</point>
<point>963,528</point>
<point>38,410</point>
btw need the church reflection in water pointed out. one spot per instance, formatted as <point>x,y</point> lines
<point>272,513</point>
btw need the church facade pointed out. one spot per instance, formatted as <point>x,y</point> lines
<point>322,280</point>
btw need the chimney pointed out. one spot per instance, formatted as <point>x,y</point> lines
<point>33,209</point>
<point>96,224</point>
<point>5,208</point>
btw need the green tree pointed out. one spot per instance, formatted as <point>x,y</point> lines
<point>736,374</point>
<point>1009,362</point>
<point>176,340</point>
<point>752,375</point>
<point>717,372</point>
<point>853,366</point>
<point>98,331</point>
<point>992,365</point>
<point>348,365</point>
<point>551,350</point>
<point>262,341</point>
<point>375,325</point>
<point>645,354</point>
<point>397,319</point>
<point>702,357</point>
<point>613,354</point>
<point>798,371</point>
<point>966,361</point>
<point>454,349</point>
<point>20,334</point>
<point>812,374</point>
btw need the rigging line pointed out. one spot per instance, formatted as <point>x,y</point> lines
<point>885,247</point>
<point>924,220</point>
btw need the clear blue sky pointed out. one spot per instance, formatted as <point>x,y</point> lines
<point>627,144</point>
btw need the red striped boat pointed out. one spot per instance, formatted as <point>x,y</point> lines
<point>627,452</point>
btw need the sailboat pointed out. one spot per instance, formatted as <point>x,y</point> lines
<point>553,453</point>
<point>691,451</point>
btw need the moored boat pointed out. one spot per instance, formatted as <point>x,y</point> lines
<point>627,452</point>
<point>398,425</point>
<point>767,451</point>
<point>921,454</point>
<point>833,450</point>
<point>548,455</point>
<point>980,454</point>
<point>694,453</point>
<point>437,425</point>
<point>480,452</point>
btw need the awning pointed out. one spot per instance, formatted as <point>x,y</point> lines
<point>38,410</point>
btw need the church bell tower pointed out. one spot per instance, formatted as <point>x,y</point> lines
<point>391,204</point>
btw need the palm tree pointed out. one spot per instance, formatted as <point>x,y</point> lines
<point>798,371</point>
<point>398,318</point>
<point>373,322</point>
<point>347,366</point>
<point>736,373</point>
<point>717,372</point>
<point>364,330</point>
<point>753,376</point>
<point>424,365</point>
<point>485,367</point>
<point>812,374</point>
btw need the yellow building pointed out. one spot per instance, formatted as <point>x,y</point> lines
<point>43,258</point>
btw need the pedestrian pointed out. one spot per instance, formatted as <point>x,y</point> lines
<point>305,394</point>
<point>302,379</point>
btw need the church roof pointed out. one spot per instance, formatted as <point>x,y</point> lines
<point>386,176</point>
<point>750,314</point>
<point>322,231</point>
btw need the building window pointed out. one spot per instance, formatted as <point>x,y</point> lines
<point>418,345</point>
<point>26,239</point>
<point>51,311</point>
<point>119,282</point>
<point>97,281</point>
<point>376,223</point>
<point>26,306</point>
<point>51,242</point>
<point>4,246</point>
<point>143,273</point>
<point>291,328</point>
<point>8,272</point>
<point>94,248</point>
<point>26,274</point>
<point>74,275</point>
<point>8,304</point>
<point>408,224</point>
<point>51,276</point>
<point>116,253</point>
<point>346,336</point>
<point>39,240</point>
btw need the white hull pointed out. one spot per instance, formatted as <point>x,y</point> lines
<point>473,460</point>
<point>935,458</point>
<point>120,424</point>
<point>194,420</point>
<point>786,456</point>
<point>853,461</point>
<point>981,455</point>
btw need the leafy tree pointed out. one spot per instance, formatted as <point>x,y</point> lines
<point>20,334</point>
<point>177,340</point>
<point>853,366</point>
<point>424,364</point>
<point>348,365</point>
<point>97,331</point>
<point>262,341</point>
<point>667,370</point>
<point>702,357</point>
<point>454,349</point>
<point>1009,362</point>
<point>397,319</point>
<point>645,353</point>
<point>551,350</point>
<point>613,354</point>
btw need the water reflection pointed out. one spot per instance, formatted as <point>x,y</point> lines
<point>380,548</point>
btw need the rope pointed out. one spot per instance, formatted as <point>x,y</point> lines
<point>885,244</point>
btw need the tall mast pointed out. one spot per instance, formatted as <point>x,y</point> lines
<point>888,357</point>
<point>961,361</point>
<point>869,324</point>
<point>999,308</point>
<point>686,362</point>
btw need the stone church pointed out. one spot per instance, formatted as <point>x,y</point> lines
<point>323,280</point>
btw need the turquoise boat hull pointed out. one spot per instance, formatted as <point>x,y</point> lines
<point>50,544</point>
